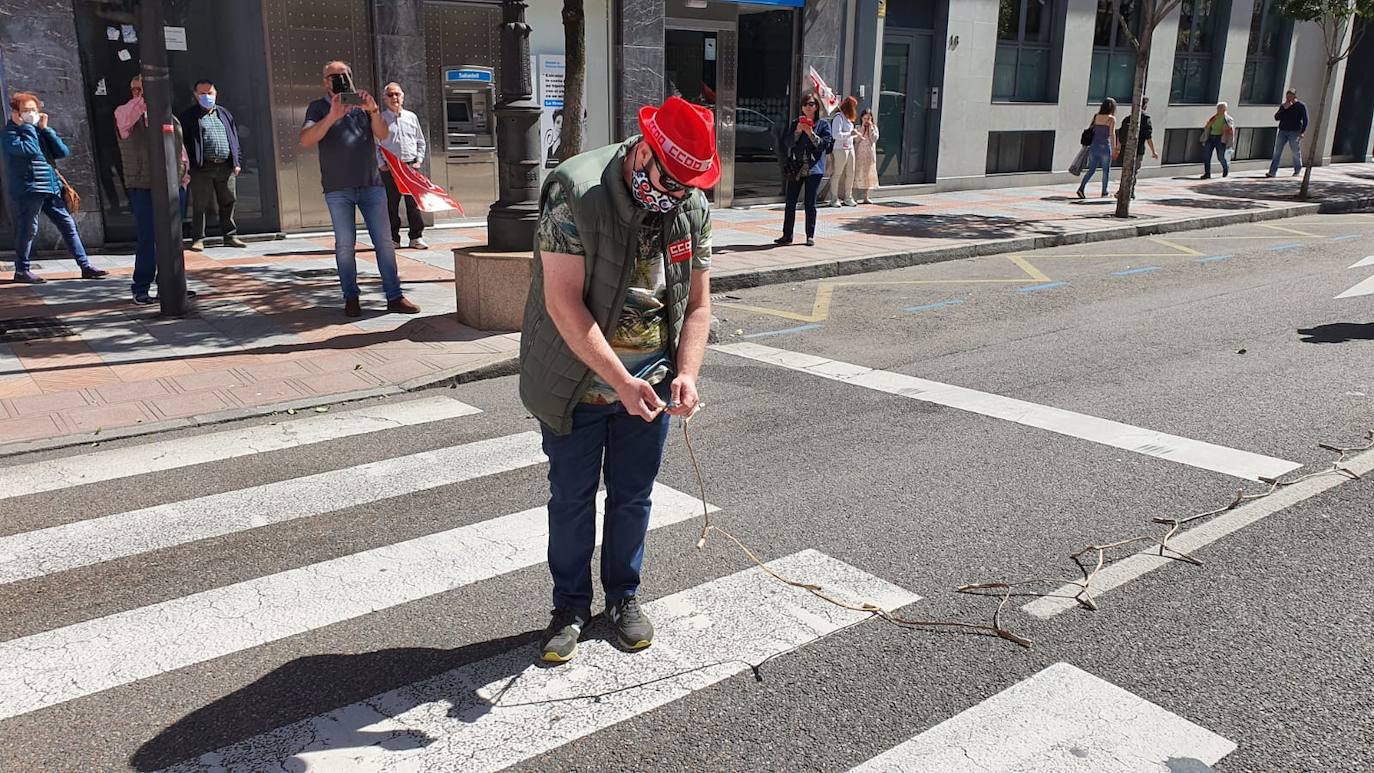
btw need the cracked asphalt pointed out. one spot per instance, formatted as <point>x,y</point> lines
<point>1269,643</point>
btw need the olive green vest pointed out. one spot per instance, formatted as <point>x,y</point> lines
<point>552,378</point>
<point>135,153</point>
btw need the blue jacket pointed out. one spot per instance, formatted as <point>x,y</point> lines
<point>26,158</point>
<point>195,144</point>
<point>802,144</point>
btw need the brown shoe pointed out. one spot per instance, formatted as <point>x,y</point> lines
<point>197,245</point>
<point>353,308</point>
<point>234,241</point>
<point>402,306</point>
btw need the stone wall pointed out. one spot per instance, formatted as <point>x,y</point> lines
<point>823,41</point>
<point>638,60</point>
<point>38,54</point>
<point>400,52</point>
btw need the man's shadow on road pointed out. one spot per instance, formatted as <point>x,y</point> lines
<point>1337,333</point>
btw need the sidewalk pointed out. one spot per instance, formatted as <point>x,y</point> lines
<point>80,363</point>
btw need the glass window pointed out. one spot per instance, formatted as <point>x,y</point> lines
<point>1266,55</point>
<point>1195,60</point>
<point>764,102</point>
<point>1023,70</point>
<point>892,109</point>
<point>1020,152</point>
<point>1181,146</point>
<point>1113,64</point>
<point>1255,142</point>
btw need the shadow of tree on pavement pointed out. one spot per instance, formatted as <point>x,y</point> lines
<point>1283,189</point>
<point>951,226</point>
<point>1201,202</point>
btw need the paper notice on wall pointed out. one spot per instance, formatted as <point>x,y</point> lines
<point>552,68</point>
<point>128,33</point>
<point>112,33</point>
<point>176,38</point>
<point>124,55</point>
<point>710,53</point>
<point>100,88</point>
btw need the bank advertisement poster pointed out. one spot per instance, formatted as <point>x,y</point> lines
<point>551,76</point>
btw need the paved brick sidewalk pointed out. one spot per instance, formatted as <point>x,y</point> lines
<point>269,331</point>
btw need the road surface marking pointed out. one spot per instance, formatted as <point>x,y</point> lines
<point>1229,461</point>
<point>63,664</point>
<point>1062,719</point>
<point>1121,572</point>
<point>1132,271</point>
<point>1213,258</point>
<point>784,331</point>
<point>506,709</point>
<point>1175,246</point>
<point>1280,247</point>
<point>1286,229</point>
<point>97,466</point>
<point>72,545</point>
<point>1363,288</point>
<point>1034,288</point>
<point>933,306</point>
<point>1345,238</point>
<point>1030,269</point>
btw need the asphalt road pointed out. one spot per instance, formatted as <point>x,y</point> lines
<point>1230,337</point>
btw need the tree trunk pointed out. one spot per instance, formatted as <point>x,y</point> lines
<point>1128,151</point>
<point>574,79</point>
<point>1333,32</point>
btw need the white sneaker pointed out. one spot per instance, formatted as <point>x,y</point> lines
<point>418,244</point>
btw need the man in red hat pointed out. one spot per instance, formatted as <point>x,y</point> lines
<point>614,334</point>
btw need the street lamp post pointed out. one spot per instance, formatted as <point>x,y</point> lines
<point>511,221</point>
<point>163,152</point>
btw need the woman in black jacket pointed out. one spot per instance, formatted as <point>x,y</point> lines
<point>806,142</point>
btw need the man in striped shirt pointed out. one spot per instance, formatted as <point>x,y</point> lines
<point>212,146</point>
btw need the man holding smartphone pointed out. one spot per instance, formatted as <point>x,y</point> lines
<point>346,125</point>
<point>613,338</point>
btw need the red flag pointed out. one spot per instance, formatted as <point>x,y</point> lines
<point>428,196</point>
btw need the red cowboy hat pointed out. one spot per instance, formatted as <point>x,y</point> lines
<point>683,136</point>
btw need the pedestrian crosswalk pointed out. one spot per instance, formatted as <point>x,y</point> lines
<point>487,715</point>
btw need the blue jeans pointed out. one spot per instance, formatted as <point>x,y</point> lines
<point>1098,155</point>
<point>145,235</point>
<point>1214,143</point>
<point>371,201</point>
<point>605,439</point>
<point>1287,138</point>
<point>810,185</point>
<point>31,205</point>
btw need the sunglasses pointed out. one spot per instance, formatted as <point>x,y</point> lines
<point>811,103</point>
<point>392,94</point>
<point>669,184</point>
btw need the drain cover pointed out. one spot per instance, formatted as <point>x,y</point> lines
<point>32,328</point>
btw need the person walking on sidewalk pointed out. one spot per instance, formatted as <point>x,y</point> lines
<point>406,141</point>
<point>1103,147</point>
<point>1292,118</point>
<point>842,172</point>
<point>614,335</point>
<point>212,145</point>
<point>135,136</point>
<point>31,146</point>
<point>1218,135</point>
<point>347,135</point>
<point>1146,137</point>
<point>806,142</point>
<point>866,155</point>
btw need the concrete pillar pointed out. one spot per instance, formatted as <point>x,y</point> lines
<point>823,41</point>
<point>399,53</point>
<point>639,62</point>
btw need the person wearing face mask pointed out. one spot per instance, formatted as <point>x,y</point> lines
<point>30,147</point>
<point>212,145</point>
<point>613,338</point>
<point>135,138</point>
<point>407,143</point>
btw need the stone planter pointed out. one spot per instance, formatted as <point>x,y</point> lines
<point>491,287</point>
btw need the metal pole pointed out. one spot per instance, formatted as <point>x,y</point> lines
<point>163,154</point>
<point>511,221</point>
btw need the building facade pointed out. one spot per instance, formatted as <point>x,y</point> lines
<point>968,93</point>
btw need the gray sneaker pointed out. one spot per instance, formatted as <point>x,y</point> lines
<point>560,638</point>
<point>632,626</point>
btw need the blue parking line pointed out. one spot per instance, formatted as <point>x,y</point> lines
<point>784,331</point>
<point>934,306</point>
<point>1345,238</point>
<point>1288,246</point>
<point>1141,270</point>
<point>1033,288</point>
<point>1213,258</point>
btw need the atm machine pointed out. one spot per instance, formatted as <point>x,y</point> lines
<point>470,137</point>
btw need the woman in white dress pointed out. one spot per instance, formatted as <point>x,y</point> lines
<point>866,155</point>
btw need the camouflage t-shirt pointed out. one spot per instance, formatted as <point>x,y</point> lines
<point>640,336</point>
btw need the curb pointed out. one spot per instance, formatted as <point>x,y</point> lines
<point>498,366</point>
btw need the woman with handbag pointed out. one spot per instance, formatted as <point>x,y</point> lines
<point>1102,148</point>
<point>806,142</point>
<point>1218,135</point>
<point>35,185</point>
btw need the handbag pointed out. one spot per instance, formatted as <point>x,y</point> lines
<point>1086,138</point>
<point>1079,161</point>
<point>69,195</point>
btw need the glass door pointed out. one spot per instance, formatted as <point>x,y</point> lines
<point>689,68</point>
<point>906,108</point>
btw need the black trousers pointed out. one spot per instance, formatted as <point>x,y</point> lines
<point>810,185</point>
<point>413,217</point>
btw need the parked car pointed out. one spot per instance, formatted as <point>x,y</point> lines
<point>755,136</point>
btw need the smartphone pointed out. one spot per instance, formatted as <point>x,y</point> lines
<point>804,121</point>
<point>342,84</point>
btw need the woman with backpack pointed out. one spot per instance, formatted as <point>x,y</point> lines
<point>37,188</point>
<point>806,142</point>
<point>1100,137</point>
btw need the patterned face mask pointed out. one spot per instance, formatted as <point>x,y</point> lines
<point>649,197</point>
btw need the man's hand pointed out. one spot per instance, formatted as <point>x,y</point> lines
<point>237,170</point>
<point>639,398</point>
<point>1154,155</point>
<point>42,121</point>
<point>684,396</point>
<point>369,104</point>
<point>337,109</point>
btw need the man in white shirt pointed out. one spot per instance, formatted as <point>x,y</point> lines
<point>407,143</point>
